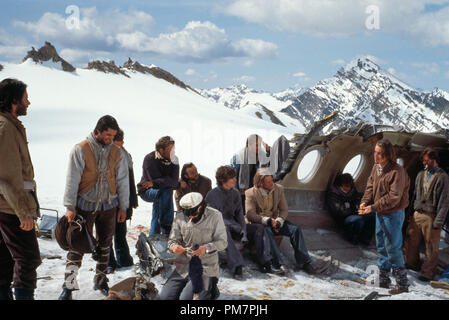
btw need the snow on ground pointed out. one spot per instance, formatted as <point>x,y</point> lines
<point>64,110</point>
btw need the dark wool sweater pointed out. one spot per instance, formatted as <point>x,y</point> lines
<point>229,203</point>
<point>163,176</point>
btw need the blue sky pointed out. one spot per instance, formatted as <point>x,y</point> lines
<point>269,45</point>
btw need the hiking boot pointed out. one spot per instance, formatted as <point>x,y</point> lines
<point>384,279</point>
<point>265,268</point>
<point>400,274</point>
<point>66,294</point>
<point>280,270</point>
<point>440,284</point>
<point>398,290</point>
<point>23,294</point>
<point>238,273</point>
<point>110,270</point>
<point>6,293</point>
<point>424,278</point>
<point>103,287</point>
<point>214,291</point>
<point>309,268</point>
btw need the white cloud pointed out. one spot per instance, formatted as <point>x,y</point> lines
<point>96,31</point>
<point>299,74</point>
<point>338,62</point>
<point>197,42</point>
<point>333,19</point>
<point>116,30</point>
<point>427,67</point>
<point>244,79</point>
<point>75,56</point>
<point>190,72</point>
<point>392,70</point>
<point>12,48</point>
<point>248,63</point>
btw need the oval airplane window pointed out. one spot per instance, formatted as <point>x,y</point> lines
<point>400,161</point>
<point>308,166</point>
<point>354,166</point>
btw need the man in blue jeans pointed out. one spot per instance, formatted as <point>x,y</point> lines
<point>160,175</point>
<point>387,194</point>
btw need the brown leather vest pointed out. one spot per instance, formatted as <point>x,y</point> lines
<point>90,173</point>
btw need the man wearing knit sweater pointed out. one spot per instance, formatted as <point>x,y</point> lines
<point>431,206</point>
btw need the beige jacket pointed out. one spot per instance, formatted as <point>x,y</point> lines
<point>254,204</point>
<point>209,231</point>
<point>16,170</point>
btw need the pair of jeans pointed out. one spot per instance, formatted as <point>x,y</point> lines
<point>122,257</point>
<point>389,240</point>
<point>297,241</point>
<point>360,228</point>
<point>445,275</point>
<point>163,211</point>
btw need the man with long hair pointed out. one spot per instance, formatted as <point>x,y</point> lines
<point>19,249</point>
<point>386,194</point>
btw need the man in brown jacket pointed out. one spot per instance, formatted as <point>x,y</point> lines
<point>387,194</point>
<point>431,206</point>
<point>19,249</point>
<point>265,204</point>
<point>191,181</point>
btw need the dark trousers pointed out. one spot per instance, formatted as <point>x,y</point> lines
<point>19,254</point>
<point>297,241</point>
<point>259,238</point>
<point>105,226</point>
<point>122,258</point>
<point>360,228</point>
<point>179,288</point>
<point>234,257</point>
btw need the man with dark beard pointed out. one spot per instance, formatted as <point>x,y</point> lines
<point>191,181</point>
<point>19,249</point>
<point>97,183</point>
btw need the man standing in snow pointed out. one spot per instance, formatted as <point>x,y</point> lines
<point>386,194</point>
<point>431,206</point>
<point>97,183</point>
<point>122,254</point>
<point>19,249</point>
<point>160,173</point>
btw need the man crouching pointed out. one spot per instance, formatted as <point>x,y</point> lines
<point>198,233</point>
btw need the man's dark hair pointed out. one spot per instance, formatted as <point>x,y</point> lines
<point>119,136</point>
<point>431,153</point>
<point>11,92</point>
<point>344,179</point>
<point>224,173</point>
<point>164,142</point>
<point>184,170</point>
<point>105,123</point>
<point>387,149</point>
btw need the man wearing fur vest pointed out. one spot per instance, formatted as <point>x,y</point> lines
<point>19,249</point>
<point>97,184</point>
<point>431,206</point>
